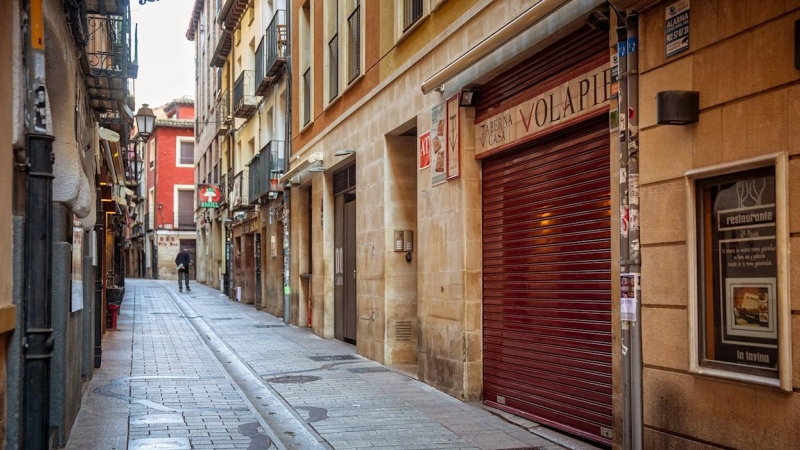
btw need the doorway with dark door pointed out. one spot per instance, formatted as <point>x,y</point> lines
<point>191,244</point>
<point>345,312</point>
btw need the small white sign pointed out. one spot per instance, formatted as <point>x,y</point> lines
<point>677,27</point>
<point>629,289</point>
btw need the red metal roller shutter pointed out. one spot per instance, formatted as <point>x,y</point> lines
<point>546,67</point>
<point>547,280</point>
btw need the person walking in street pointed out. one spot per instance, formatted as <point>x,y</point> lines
<point>182,260</point>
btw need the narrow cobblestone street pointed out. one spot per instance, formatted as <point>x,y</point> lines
<point>194,370</point>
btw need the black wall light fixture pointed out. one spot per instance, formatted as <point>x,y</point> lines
<point>678,107</point>
<point>468,98</point>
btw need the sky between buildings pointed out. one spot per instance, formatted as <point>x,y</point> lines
<point>166,57</point>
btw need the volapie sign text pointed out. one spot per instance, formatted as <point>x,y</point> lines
<point>579,96</point>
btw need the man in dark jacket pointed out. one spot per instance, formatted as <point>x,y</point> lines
<point>182,261</point>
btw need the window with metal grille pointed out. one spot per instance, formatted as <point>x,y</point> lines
<point>187,152</point>
<point>412,12</point>
<point>354,43</point>
<point>185,208</point>
<point>307,96</point>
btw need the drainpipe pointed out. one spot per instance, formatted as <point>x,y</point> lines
<point>287,232</point>
<point>99,276</point>
<point>622,114</point>
<point>37,341</point>
<point>635,259</point>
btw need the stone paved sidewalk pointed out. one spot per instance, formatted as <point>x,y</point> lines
<point>194,370</point>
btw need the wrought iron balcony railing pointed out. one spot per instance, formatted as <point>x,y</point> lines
<point>271,53</point>
<point>186,220</point>
<point>245,103</point>
<point>109,56</point>
<point>222,113</point>
<point>240,191</point>
<point>224,189</point>
<point>265,170</point>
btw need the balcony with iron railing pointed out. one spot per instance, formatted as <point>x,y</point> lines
<point>265,170</point>
<point>271,53</point>
<point>109,56</point>
<point>224,189</point>
<point>245,102</point>
<point>240,191</point>
<point>186,220</point>
<point>222,113</point>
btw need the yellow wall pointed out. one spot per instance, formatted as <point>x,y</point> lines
<point>741,61</point>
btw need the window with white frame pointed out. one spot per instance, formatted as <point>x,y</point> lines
<point>184,209</point>
<point>152,152</point>
<point>738,272</point>
<point>185,152</point>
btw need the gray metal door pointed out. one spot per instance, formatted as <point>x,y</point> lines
<point>350,270</point>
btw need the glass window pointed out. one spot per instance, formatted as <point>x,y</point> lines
<point>738,272</point>
<point>187,152</point>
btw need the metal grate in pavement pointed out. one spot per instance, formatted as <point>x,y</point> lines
<point>369,370</point>
<point>294,379</point>
<point>333,358</point>
<point>269,326</point>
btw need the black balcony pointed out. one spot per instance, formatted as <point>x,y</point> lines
<point>224,189</point>
<point>271,53</point>
<point>222,113</point>
<point>109,56</point>
<point>245,103</point>
<point>240,191</point>
<point>265,170</point>
<point>186,220</point>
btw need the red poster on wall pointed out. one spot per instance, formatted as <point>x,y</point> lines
<point>425,150</point>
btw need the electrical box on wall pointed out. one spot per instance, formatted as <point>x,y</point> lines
<point>403,241</point>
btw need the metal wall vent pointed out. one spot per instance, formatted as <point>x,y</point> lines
<point>402,330</point>
<point>344,179</point>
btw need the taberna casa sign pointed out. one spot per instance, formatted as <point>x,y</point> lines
<point>579,96</point>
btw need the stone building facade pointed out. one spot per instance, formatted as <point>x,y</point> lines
<point>741,60</point>
<point>437,265</point>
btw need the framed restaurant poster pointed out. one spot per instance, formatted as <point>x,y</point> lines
<point>453,142</point>
<point>438,157</point>
<point>739,312</point>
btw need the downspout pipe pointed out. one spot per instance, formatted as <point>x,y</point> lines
<point>622,115</point>
<point>38,341</point>
<point>635,257</point>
